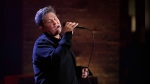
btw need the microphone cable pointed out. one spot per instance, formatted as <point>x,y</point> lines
<point>80,27</point>
<point>93,44</point>
<point>92,47</point>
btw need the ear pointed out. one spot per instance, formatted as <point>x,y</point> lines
<point>42,28</point>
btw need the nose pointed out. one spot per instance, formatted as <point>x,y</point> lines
<point>54,22</point>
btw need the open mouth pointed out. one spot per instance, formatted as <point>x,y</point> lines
<point>57,26</point>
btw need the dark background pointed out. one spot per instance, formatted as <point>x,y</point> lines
<point>119,54</point>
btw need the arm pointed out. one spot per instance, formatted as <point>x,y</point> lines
<point>47,50</point>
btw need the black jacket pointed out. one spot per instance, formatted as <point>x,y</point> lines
<point>54,61</point>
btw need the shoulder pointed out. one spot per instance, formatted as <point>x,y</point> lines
<point>43,39</point>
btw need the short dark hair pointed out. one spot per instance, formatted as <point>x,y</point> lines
<point>41,13</point>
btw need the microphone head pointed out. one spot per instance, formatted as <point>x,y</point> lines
<point>64,24</point>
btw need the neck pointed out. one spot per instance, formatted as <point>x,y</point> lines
<point>58,36</point>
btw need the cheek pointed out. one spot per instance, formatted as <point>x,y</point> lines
<point>57,30</point>
<point>49,27</point>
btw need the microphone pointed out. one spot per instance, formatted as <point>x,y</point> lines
<point>80,27</point>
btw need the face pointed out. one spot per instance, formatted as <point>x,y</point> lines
<point>52,24</point>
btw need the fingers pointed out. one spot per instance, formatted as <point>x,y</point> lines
<point>70,26</point>
<point>84,72</point>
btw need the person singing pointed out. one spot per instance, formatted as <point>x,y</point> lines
<point>53,59</point>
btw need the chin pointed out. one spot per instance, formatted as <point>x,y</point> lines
<point>57,32</point>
